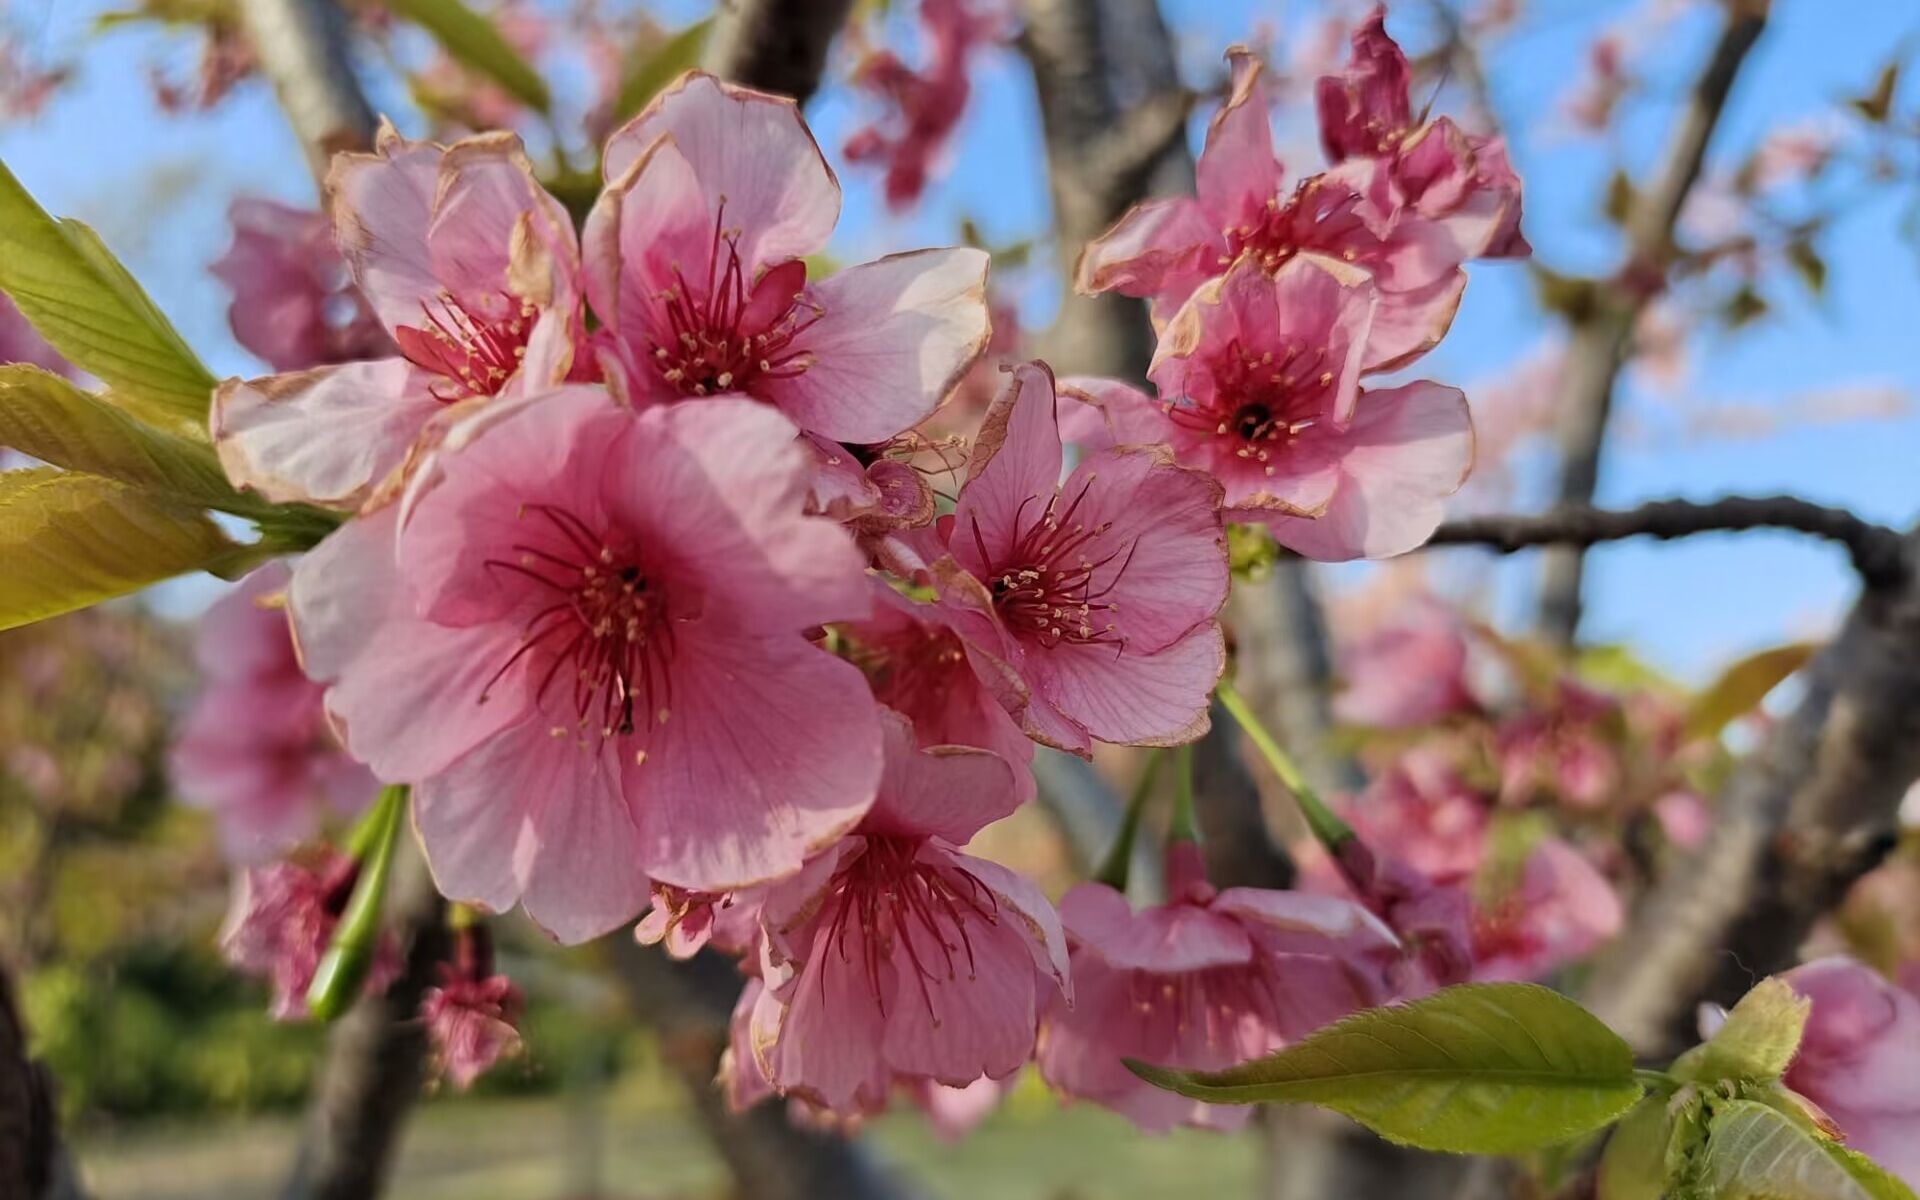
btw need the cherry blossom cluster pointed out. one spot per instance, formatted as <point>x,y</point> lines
<point>645,590</point>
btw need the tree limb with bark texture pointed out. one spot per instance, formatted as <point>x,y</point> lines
<point>1603,328</point>
<point>775,45</point>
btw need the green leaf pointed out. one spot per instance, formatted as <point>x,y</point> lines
<point>1877,105</point>
<point>70,540</point>
<point>658,65</point>
<point>1742,686</point>
<point>1480,1069</point>
<point>342,971</point>
<point>1755,1153</point>
<point>44,415</point>
<point>72,289</point>
<point>475,42</point>
<point>1757,1042</point>
<point>1808,264</point>
<point>1634,1166</point>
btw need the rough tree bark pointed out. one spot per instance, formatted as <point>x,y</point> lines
<point>1806,815</point>
<point>1603,328</point>
<point>376,1056</point>
<point>775,45</point>
<point>303,50</point>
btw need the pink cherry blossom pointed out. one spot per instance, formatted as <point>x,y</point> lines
<point>1559,910</point>
<point>1085,607</point>
<point>1259,386</point>
<point>282,918</point>
<point>1562,749</point>
<point>696,267</point>
<point>918,666</point>
<point>1205,981</point>
<point>473,271</point>
<point>581,638</point>
<point>294,304</point>
<point>895,957</point>
<point>256,750</point>
<point>472,1014</point>
<point>1409,235</point>
<point>1459,185</point>
<point>1410,673</point>
<point>1860,1060</point>
<point>684,922</point>
<point>924,106</point>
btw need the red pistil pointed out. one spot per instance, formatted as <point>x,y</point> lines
<point>473,354</point>
<point>1044,585</point>
<point>887,899</point>
<point>732,331</point>
<point>607,625</point>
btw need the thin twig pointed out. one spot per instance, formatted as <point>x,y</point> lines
<point>1878,553</point>
<point>1603,329</point>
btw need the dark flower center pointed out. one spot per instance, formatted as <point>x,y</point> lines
<point>605,633</point>
<point>731,332</point>
<point>1044,585</point>
<point>1261,403</point>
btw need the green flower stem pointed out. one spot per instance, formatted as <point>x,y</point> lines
<point>1183,827</point>
<point>1332,832</point>
<point>1113,869</point>
<point>343,968</point>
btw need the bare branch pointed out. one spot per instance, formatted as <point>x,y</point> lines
<point>303,50</point>
<point>33,1162</point>
<point>1804,817</point>
<point>376,1056</point>
<point>689,1005</point>
<point>775,45</point>
<point>1598,348</point>
<point>1878,553</point>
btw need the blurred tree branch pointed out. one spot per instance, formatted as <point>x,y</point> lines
<point>33,1161</point>
<point>304,51</point>
<point>1804,816</point>
<point>775,45</point>
<point>1603,327</point>
<point>1878,553</point>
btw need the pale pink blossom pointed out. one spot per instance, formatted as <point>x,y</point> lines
<point>695,265</point>
<point>294,304</point>
<point>282,918</point>
<point>582,637</point>
<point>470,267</point>
<point>472,1015</point>
<point>894,957</point>
<point>684,922</point>
<point>1860,1060</point>
<point>1086,607</point>
<point>1258,377</point>
<point>1410,673</point>
<point>1562,750</point>
<point>255,750</point>
<point>1208,980</point>
<point>1559,910</point>
<point>923,106</point>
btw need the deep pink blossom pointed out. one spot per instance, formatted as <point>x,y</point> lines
<point>1086,606</point>
<point>695,265</point>
<point>282,918</point>
<point>472,1015</point>
<point>470,267</point>
<point>294,304</point>
<point>1459,185</point>
<point>895,957</point>
<point>1258,378</point>
<point>1860,1060</point>
<point>924,106</point>
<point>1205,981</point>
<point>1559,910</point>
<point>581,636</point>
<point>1359,215</point>
<point>1563,750</point>
<point>256,750</point>
<point>918,666</point>
<point>1410,673</point>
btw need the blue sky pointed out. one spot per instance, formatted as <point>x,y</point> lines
<point>157,188</point>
